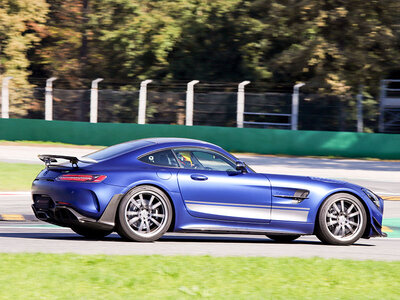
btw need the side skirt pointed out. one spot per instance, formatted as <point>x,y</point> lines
<point>228,231</point>
<point>282,228</point>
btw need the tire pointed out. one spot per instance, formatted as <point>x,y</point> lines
<point>144,214</point>
<point>95,234</point>
<point>342,220</point>
<point>287,238</point>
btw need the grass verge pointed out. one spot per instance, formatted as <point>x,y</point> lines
<point>69,276</point>
<point>17,177</point>
<point>44,144</point>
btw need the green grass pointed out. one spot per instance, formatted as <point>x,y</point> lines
<point>17,177</point>
<point>52,276</point>
<point>27,143</point>
<point>44,143</point>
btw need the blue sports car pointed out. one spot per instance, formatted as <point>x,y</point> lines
<point>145,188</point>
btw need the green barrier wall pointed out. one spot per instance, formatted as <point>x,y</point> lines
<point>265,141</point>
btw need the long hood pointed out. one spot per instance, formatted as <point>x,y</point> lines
<point>291,180</point>
<point>287,185</point>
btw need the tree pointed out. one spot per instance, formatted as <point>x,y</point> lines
<point>21,28</point>
<point>210,40</point>
<point>218,41</point>
<point>64,50</point>
<point>333,45</point>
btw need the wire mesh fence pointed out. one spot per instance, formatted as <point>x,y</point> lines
<point>213,105</point>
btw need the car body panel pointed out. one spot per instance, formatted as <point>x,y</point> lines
<point>225,202</point>
<point>244,197</point>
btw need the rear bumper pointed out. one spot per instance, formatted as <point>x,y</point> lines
<point>88,199</point>
<point>62,215</point>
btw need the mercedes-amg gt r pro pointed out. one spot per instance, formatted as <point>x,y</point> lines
<point>141,189</point>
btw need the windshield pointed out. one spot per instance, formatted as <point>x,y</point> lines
<point>118,149</point>
<point>251,169</point>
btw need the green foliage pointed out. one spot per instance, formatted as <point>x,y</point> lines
<point>21,27</point>
<point>210,40</point>
<point>218,41</point>
<point>334,46</point>
<point>62,52</point>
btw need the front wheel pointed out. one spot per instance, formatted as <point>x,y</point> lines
<point>342,220</point>
<point>283,238</point>
<point>144,214</point>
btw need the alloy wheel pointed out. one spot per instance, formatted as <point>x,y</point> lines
<point>344,219</point>
<point>146,213</point>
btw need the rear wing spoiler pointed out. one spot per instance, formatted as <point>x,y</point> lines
<point>49,159</point>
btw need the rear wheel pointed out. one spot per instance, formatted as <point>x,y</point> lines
<point>283,238</point>
<point>144,214</point>
<point>90,233</point>
<point>341,220</point>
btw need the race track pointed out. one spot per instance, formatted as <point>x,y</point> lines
<point>27,238</point>
<point>19,232</point>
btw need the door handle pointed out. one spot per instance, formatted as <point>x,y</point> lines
<point>198,177</point>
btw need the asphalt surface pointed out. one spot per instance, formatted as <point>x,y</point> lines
<point>36,236</point>
<point>14,238</point>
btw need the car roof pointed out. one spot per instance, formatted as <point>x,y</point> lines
<point>146,145</point>
<point>169,142</point>
<point>172,140</point>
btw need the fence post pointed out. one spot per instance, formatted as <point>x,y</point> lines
<point>5,102</point>
<point>48,102</point>
<point>142,101</point>
<point>240,104</point>
<point>295,105</point>
<point>360,123</point>
<point>382,97</point>
<point>94,100</point>
<point>189,102</point>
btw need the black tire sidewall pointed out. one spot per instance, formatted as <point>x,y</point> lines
<point>322,231</point>
<point>125,231</point>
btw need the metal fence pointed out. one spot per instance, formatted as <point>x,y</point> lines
<point>197,105</point>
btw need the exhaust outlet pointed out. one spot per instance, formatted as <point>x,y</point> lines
<point>42,215</point>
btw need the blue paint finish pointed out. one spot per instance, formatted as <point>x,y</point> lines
<point>79,195</point>
<point>227,192</point>
<point>202,199</point>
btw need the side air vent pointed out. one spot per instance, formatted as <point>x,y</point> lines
<point>296,195</point>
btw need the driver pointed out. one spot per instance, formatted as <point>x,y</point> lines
<point>186,159</point>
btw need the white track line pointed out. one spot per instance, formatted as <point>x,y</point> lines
<point>15,193</point>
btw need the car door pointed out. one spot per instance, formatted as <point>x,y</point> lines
<point>212,188</point>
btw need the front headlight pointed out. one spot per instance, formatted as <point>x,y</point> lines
<point>374,198</point>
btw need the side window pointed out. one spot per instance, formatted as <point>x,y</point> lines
<point>203,160</point>
<point>161,158</point>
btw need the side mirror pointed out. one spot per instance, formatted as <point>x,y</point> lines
<point>241,167</point>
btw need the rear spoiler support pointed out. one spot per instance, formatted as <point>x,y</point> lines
<point>48,159</point>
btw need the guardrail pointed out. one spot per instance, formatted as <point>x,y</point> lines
<point>263,141</point>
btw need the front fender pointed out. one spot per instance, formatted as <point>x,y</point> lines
<point>374,214</point>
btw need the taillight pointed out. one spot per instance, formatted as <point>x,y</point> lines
<point>82,178</point>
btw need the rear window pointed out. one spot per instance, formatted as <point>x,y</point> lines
<point>161,158</point>
<point>119,149</point>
